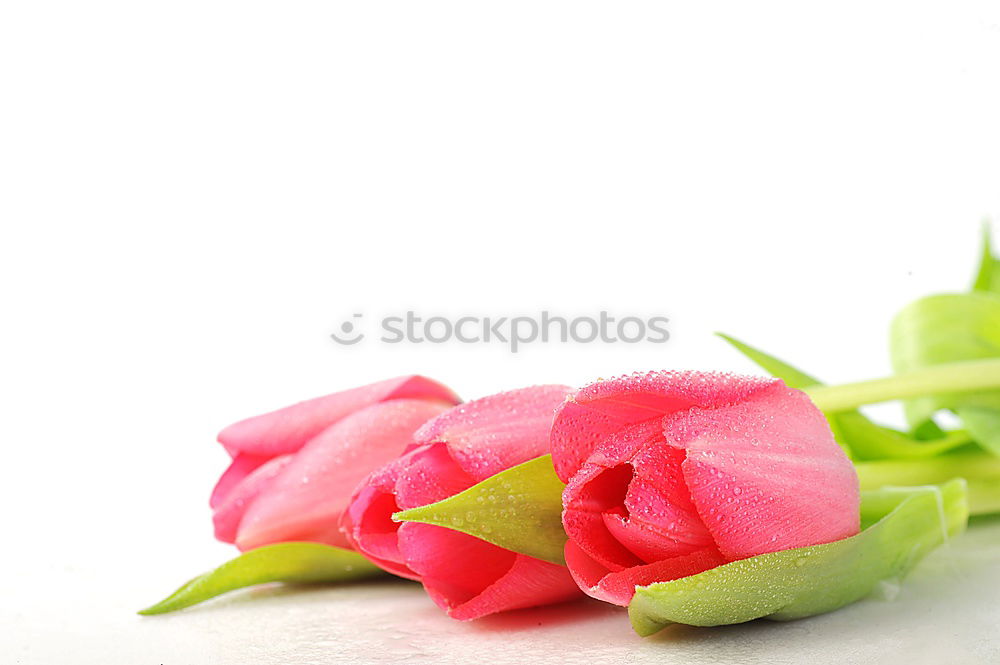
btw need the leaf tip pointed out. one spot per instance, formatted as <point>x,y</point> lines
<point>404,515</point>
<point>152,610</point>
<point>984,280</point>
<point>732,341</point>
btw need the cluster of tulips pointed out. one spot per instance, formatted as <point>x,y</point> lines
<point>667,475</point>
<point>689,497</point>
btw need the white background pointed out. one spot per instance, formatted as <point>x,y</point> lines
<point>195,194</point>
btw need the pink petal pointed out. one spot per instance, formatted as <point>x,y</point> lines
<point>619,587</point>
<point>370,529</point>
<point>241,466</point>
<point>491,434</point>
<point>529,583</point>
<point>430,475</point>
<point>425,474</point>
<point>658,498</point>
<point>453,566</point>
<point>594,413</point>
<point>589,494</point>
<point>229,513</point>
<point>636,510</point>
<point>288,429</point>
<point>643,539</point>
<point>307,498</point>
<point>766,474</point>
<point>470,578</point>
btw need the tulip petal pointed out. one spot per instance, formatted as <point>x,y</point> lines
<point>423,475</point>
<point>455,565</point>
<point>369,528</point>
<point>470,578</point>
<point>590,493</point>
<point>766,474</point>
<point>305,501</point>
<point>229,513</point>
<point>629,504</point>
<point>644,540</point>
<point>288,429</point>
<point>491,434</point>
<point>591,415</point>
<point>619,587</point>
<point>430,474</point>
<point>529,583</point>
<point>241,466</point>
<point>659,499</point>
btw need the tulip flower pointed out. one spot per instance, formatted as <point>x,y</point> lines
<point>293,469</point>
<point>467,577</point>
<point>669,474</point>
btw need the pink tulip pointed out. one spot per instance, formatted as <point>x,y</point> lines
<point>672,473</point>
<point>293,470</point>
<point>465,576</point>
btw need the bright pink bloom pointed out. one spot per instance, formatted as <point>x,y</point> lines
<point>293,470</point>
<point>672,473</point>
<point>467,577</point>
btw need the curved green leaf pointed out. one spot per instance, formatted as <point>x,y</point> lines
<point>946,329</point>
<point>802,582</point>
<point>859,436</point>
<point>519,509</point>
<point>283,562</point>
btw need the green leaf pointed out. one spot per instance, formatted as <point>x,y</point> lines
<point>981,470</point>
<point>871,441</point>
<point>802,582</point>
<point>948,329</point>
<point>988,275</point>
<point>792,376</point>
<point>283,562</point>
<point>928,430</point>
<point>519,509</point>
<point>859,436</point>
<point>983,423</point>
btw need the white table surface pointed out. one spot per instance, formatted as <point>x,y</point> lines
<point>946,611</point>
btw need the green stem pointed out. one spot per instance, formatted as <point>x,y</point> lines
<point>954,377</point>
<point>981,471</point>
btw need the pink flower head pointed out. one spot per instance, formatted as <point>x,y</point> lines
<point>467,577</point>
<point>293,469</point>
<point>672,473</point>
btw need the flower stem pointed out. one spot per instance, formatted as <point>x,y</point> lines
<point>957,377</point>
<point>981,471</point>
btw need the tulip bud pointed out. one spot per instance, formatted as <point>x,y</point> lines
<point>669,474</point>
<point>467,577</point>
<point>293,469</point>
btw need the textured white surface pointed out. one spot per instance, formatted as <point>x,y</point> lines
<point>946,611</point>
